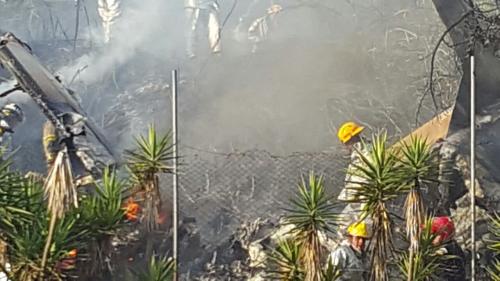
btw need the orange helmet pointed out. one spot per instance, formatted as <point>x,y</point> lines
<point>349,130</point>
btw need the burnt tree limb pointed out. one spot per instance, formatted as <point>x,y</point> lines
<point>464,33</point>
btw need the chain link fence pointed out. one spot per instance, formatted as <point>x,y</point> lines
<point>219,191</point>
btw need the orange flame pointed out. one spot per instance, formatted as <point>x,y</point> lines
<point>162,218</point>
<point>132,210</point>
<point>72,254</point>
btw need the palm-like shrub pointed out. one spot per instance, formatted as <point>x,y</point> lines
<point>104,216</point>
<point>311,213</point>
<point>330,272</point>
<point>27,241</point>
<point>494,245</point>
<point>379,183</point>
<point>27,219</point>
<point>146,162</point>
<point>20,200</point>
<point>18,197</point>
<point>159,269</point>
<point>418,168</point>
<point>285,264</point>
<point>423,263</point>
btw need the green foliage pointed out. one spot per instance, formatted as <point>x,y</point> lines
<point>26,230</point>
<point>284,262</point>
<point>418,167</point>
<point>494,245</point>
<point>378,173</point>
<point>103,212</point>
<point>311,214</point>
<point>378,184</point>
<point>494,270</point>
<point>151,155</point>
<point>144,163</point>
<point>27,239</point>
<point>330,272</point>
<point>19,198</point>
<point>312,210</point>
<point>425,263</point>
<point>161,269</point>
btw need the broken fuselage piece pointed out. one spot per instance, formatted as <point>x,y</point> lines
<point>74,129</point>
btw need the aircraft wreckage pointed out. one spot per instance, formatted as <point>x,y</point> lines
<point>59,105</point>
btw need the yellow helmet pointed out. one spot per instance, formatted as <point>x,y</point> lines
<point>358,229</point>
<point>349,130</point>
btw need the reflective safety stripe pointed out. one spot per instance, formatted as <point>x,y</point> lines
<point>48,139</point>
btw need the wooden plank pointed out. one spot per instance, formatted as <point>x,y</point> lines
<point>433,130</point>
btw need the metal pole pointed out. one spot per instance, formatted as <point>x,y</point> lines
<point>174,185</point>
<point>472,166</point>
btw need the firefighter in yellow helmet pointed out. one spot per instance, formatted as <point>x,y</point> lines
<point>80,164</point>
<point>350,135</point>
<point>50,143</point>
<point>349,256</point>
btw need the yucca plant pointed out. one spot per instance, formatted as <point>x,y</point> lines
<point>146,162</point>
<point>418,168</point>
<point>311,213</point>
<point>494,245</point>
<point>159,269</point>
<point>20,200</point>
<point>98,217</point>
<point>18,196</point>
<point>377,185</point>
<point>104,216</point>
<point>423,264</point>
<point>284,262</point>
<point>27,241</point>
<point>330,272</point>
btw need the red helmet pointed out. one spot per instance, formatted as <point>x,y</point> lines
<point>443,226</point>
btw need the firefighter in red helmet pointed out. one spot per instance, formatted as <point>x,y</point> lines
<point>452,268</point>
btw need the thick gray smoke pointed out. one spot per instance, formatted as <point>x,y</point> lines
<point>323,63</point>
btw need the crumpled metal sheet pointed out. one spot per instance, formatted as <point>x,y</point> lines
<point>53,99</point>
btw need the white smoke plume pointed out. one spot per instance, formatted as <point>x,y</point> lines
<point>135,27</point>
